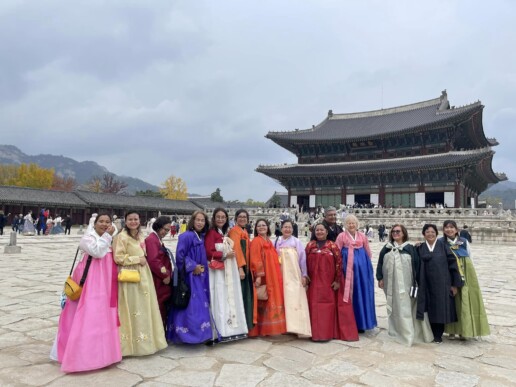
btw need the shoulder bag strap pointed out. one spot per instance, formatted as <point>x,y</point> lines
<point>88,263</point>
<point>73,264</point>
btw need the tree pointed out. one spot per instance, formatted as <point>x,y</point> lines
<point>106,184</point>
<point>33,176</point>
<point>174,188</point>
<point>149,192</point>
<point>275,201</point>
<point>67,184</point>
<point>216,196</point>
<point>251,202</point>
<point>8,173</point>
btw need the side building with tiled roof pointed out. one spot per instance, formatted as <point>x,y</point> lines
<point>81,204</point>
<point>410,156</point>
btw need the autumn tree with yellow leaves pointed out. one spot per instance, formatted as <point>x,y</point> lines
<point>174,188</point>
<point>27,175</point>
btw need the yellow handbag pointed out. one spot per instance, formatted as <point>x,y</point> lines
<point>72,289</point>
<point>129,275</point>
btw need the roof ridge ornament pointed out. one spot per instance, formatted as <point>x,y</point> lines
<point>445,105</point>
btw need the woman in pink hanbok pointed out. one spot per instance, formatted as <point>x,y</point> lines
<point>87,336</point>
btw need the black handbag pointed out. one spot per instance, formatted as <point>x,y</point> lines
<point>180,289</point>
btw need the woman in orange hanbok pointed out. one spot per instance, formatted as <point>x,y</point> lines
<point>266,270</point>
<point>240,238</point>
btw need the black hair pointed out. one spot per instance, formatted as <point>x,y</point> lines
<point>161,222</point>
<point>191,222</point>
<point>268,227</point>
<point>241,211</point>
<point>430,225</point>
<point>102,214</point>
<point>130,212</point>
<point>226,224</point>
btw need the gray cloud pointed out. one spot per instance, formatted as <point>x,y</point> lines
<point>191,88</point>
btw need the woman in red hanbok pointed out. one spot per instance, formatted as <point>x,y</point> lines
<point>330,317</point>
<point>266,271</point>
<point>160,263</point>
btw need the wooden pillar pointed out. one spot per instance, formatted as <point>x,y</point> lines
<point>381,196</point>
<point>457,194</point>
<point>343,193</point>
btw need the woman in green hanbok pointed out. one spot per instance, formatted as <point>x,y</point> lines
<point>472,317</point>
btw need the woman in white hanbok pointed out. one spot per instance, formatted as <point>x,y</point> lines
<point>227,306</point>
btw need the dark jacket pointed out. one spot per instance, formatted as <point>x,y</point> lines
<point>409,249</point>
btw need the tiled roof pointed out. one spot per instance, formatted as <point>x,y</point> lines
<point>357,126</point>
<point>42,197</point>
<point>443,160</point>
<point>135,202</point>
<point>207,203</point>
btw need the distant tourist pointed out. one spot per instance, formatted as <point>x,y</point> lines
<point>192,325</point>
<point>28,225</point>
<point>471,314</point>
<point>42,222</point>
<point>398,275</point>
<point>57,229</point>
<point>464,233</point>
<point>141,326</point>
<point>2,222</point>
<point>50,225</point>
<point>68,224</point>
<point>87,335</point>
<point>358,272</point>
<point>438,283</point>
<point>330,317</point>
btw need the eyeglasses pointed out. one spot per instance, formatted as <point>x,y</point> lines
<point>396,231</point>
<point>166,229</point>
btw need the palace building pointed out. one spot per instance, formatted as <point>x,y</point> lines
<point>411,156</point>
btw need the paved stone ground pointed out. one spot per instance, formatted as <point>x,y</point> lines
<point>31,282</point>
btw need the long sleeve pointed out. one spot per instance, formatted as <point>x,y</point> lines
<point>456,279</point>
<point>209,245</point>
<point>183,256</point>
<point>122,258</point>
<point>302,257</point>
<point>340,241</point>
<point>379,267</point>
<point>96,247</point>
<point>235,237</point>
<point>257,264</point>
<point>154,250</point>
<point>338,262</point>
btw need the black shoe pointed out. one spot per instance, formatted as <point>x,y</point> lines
<point>361,331</point>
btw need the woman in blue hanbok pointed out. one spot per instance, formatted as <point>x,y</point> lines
<point>358,272</point>
<point>192,324</point>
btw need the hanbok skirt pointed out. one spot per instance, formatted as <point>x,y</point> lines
<point>471,313</point>
<point>227,306</point>
<point>363,290</point>
<point>28,228</point>
<point>87,336</point>
<point>296,302</point>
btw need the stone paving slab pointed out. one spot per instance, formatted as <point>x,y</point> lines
<point>31,284</point>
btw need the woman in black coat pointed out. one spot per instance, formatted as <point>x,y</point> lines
<point>439,280</point>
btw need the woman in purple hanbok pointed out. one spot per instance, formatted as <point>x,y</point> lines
<point>192,325</point>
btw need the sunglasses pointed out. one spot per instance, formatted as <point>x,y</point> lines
<point>396,232</point>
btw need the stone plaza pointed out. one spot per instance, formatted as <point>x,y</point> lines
<point>32,281</point>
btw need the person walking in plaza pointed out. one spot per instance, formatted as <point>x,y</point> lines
<point>50,225</point>
<point>87,334</point>
<point>268,281</point>
<point>439,281</point>
<point>330,317</point>
<point>240,239</point>
<point>42,222</point>
<point>471,314</point>
<point>464,233</point>
<point>227,305</point>
<point>295,279</point>
<point>358,272</point>
<point>28,224</point>
<point>398,275</point>
<point>192,325</point>
<point>14,223</point>
<point>160,263</point>
<point>58,228</point>
<point>3,219</point>
<point>173,230</point>
<point>141,327</point>
<point>330,220</point>
<point>68,224</point>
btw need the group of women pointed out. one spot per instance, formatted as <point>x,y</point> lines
<point>241,287</point>
<point>431,288</point>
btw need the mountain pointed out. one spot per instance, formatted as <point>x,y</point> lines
<point>67,167</point>
<point>504,192</point>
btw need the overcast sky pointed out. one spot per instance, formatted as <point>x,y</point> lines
<point>155,88</point>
